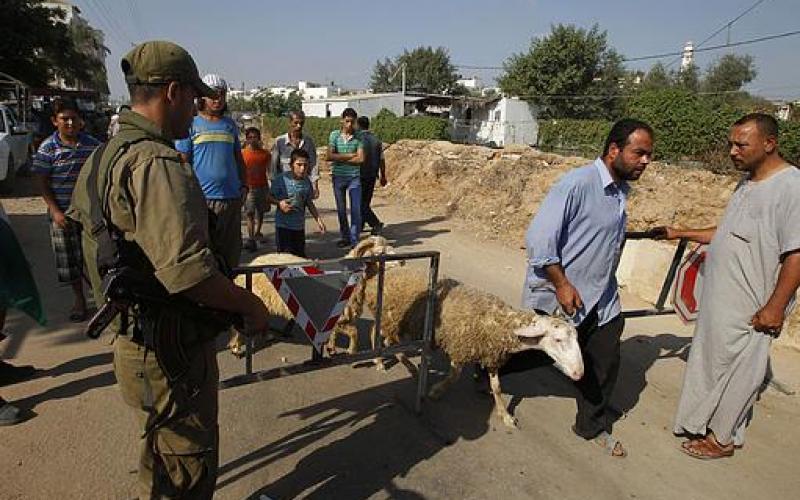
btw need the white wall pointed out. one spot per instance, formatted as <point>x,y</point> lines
<point>521,126</point>
<point>367,105</point>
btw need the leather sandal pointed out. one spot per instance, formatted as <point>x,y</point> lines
<point>707,449</point>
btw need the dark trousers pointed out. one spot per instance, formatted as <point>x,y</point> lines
<point>367,215</point>
<point>291,241</point>
<point>600,346</point>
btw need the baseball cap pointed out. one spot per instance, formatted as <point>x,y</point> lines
<point>160,61</point>
<point>216,82</point>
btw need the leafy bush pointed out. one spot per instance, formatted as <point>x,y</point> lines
<point>385,126</point>
<point>572,136</point>
<point>688,126</point>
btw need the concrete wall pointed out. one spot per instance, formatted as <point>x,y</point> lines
<point>368,105</point>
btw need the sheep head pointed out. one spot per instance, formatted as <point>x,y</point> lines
<point>558,338</point>
<point>369,247</point>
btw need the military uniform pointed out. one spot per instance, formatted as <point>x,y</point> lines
<point>156,202</point>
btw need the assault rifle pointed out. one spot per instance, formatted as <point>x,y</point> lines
<point>162,315</point>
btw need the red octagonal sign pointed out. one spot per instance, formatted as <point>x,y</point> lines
<point>686,295</point>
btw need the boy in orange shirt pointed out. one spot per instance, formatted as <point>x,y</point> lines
<point>256,159</point>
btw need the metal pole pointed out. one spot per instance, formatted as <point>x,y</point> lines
<point>404,83</point>
<point>379,309</point>
<point>248,356</point>
<point>427,342</point>
<point>673,268</point>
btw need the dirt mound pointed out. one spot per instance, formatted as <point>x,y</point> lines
<point>499,190</point>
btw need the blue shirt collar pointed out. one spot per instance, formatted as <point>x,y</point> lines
<point>605,177</point>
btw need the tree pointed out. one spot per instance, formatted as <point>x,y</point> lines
<point>427,70</point>
<point>687,78</point>
<point>560,68</point>
<point>657,78</point>
<point>277,105</point>
<point>37,47</point>
<point>729,73</point>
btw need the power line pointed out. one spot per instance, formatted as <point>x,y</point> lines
<point>137,20</point>
<point>669,54</point>
<point>109,31</point>
<point>717,47</point>
<point>723,28</point>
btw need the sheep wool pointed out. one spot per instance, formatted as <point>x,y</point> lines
<point>471,325</point>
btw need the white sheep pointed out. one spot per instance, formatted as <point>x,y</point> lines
<point>263,288</point>
<point>471,327</point>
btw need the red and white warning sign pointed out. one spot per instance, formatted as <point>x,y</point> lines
<point>315,296</point>
<point>686,296</point>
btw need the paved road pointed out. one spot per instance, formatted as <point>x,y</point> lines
<point>345,432</point>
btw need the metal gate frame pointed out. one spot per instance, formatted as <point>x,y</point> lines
<point>677,258</point>
<point>425,345</point>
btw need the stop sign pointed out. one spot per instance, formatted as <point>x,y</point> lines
<point>686,295</point>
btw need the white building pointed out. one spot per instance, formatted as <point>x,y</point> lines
<point>284,92</point>
<point>688,55</point>
<point>495,122</point>
<point>364,104</point>
<point>473,83</point>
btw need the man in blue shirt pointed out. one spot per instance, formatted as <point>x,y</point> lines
<point>214,150</point>
<point>574,243</point>
<point>346,154</point>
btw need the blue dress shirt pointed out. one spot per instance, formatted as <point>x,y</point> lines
<point>581,225</point>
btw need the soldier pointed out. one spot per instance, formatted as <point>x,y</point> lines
<point>153,209</point>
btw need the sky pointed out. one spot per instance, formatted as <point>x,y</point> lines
<point>281,42</point>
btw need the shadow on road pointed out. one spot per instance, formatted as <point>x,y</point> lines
<point>388,441</point>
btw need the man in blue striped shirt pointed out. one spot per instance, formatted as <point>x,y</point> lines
<point>346,154</point>
<point>574,243</point>
<point>57,164</point>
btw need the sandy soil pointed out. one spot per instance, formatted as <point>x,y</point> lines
<point>344,432</point>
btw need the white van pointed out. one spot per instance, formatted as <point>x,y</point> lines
<point>15,145</point>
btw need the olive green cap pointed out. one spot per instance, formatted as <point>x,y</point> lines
<point>160,61</point>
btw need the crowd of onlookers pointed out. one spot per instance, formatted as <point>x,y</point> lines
<point>235,179</point>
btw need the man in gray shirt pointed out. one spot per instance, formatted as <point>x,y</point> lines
<point>288,142</point>
<point>372,167</point>
<point>751,275</point>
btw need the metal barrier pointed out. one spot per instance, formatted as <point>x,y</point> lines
<point>660,305</point>
<point>425,345</point>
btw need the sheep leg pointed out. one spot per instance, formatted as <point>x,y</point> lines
<point>352,333</point>
<point>373,336</point>
<point>499,404</point>
<point>330,346</point>
<point>438,389</point>
<point>237,344</point>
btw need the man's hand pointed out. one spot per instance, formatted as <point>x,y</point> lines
<point>243,193</point>
<point>569,298</point>
<point>316,190</point>
<point>59,218</point>
<point>285,206</point>
<point>257,320</point>
<point>383,181</point>
<point>321,226</point>
<point>663,233</point>
<point>769,320</point>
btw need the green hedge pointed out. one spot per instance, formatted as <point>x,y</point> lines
<point>688,127</point>
<point>385,126</point>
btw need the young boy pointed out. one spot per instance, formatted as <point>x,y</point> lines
<point>256,159</point>
<point>292,192</point>
<point>57,164</point>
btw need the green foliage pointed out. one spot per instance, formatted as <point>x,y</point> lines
<point>36,47</point>
<point>657,78</point>
<point>789,140</point>
<point>427,70</point>
<point>729,73</point>
<point>573,136</point>
<point>570,61</point>
<point>389,128</point>
<point>275,104</point>
<point>688,126</point>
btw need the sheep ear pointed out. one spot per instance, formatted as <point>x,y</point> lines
<point>531,332</point>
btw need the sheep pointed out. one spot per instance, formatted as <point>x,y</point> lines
<point>262,287</point>
<point>471,327</point>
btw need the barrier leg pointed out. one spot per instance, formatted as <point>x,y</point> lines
<point>428,336</point>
